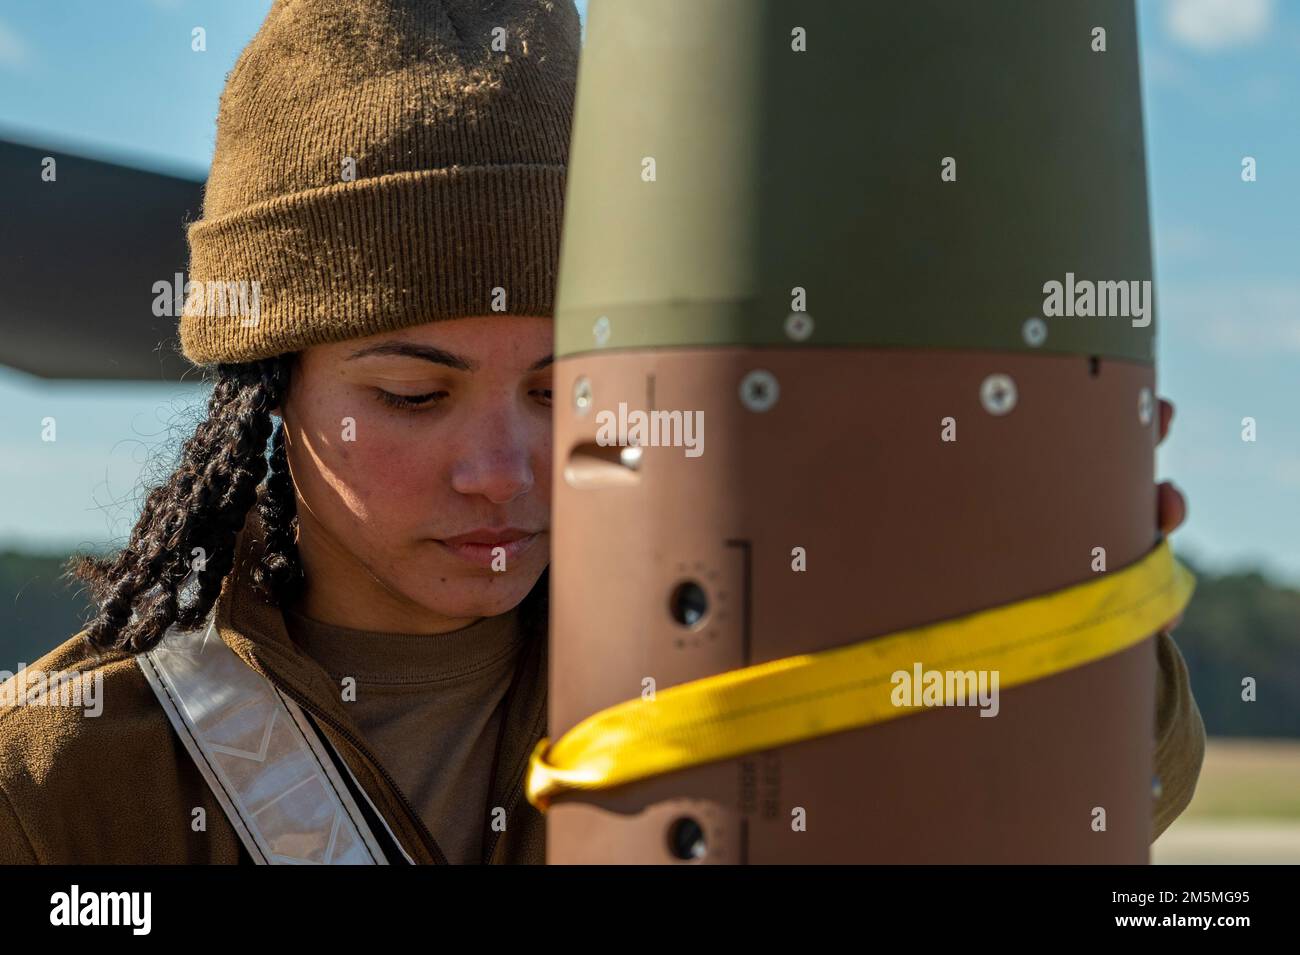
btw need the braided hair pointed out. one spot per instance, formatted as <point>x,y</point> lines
<point>183,544</point>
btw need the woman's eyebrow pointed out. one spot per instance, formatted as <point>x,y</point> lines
<point>412,350</point>
<point>436,355</point>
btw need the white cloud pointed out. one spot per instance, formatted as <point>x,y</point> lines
<point>13,51</point>
<point>1210,25</point>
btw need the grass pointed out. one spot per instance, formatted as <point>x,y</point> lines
<point>1247,779</point>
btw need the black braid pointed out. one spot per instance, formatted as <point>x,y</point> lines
<point>280,572</point>
<point>139,591</point>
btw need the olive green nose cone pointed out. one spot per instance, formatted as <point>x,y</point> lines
<point>920,174</point>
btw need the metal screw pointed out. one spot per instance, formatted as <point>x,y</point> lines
<point>630,457</point>
<point>759,390</point>
<point>1035,332</point>
<point>1145,406</point>
<point>582,395</point>
<point>601,330</point>
<point>798,326</point>
<point>998,394</point>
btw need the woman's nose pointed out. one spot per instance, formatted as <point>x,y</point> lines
<point>499,474</point>
<point>496,460</point>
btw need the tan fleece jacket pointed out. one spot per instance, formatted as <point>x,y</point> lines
<point>121,788</point>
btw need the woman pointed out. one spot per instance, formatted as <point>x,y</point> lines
<point>386,569</point>
<point>388,177</point>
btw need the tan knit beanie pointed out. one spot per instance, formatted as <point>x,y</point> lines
<point>380,164</point>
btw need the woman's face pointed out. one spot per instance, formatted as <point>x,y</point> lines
<point>422,459</point>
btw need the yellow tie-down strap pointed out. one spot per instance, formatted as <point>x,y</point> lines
<point>812,694</point>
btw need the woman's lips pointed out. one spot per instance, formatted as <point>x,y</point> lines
<point>481,554</point>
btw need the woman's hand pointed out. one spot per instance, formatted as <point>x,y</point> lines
<point>1171,507</point>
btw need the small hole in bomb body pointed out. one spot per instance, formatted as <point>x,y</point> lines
<point>688,603</point>
<point>686,839</point>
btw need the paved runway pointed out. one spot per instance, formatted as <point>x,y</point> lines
<point>1198,842</point>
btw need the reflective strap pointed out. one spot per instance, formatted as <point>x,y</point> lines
<point>258,753</point>
<point>323,740</point>
<point>796,698</point>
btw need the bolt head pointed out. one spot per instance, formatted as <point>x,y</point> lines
<point>1034,331</point>
<point>600,331</point>
<point>582,395</point>
<point>759,390</point>
<point>998,394</point>
<point>1146,407</point>
<point>798,326</point>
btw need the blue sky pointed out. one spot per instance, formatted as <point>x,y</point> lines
<point>1222,81</point>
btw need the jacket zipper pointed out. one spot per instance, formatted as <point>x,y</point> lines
<point>430,843</point>
<point>513,799</point>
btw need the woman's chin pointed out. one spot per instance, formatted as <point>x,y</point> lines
<point>474,596</point>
